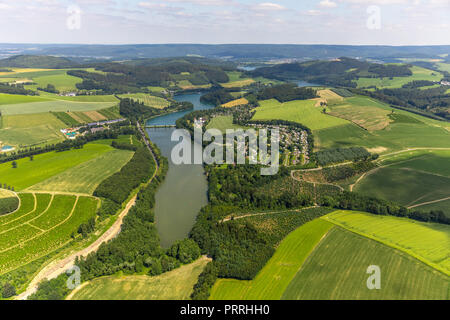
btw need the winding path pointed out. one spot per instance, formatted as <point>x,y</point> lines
<point>55,268</point>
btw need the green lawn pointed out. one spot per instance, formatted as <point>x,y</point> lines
<point>174,285</point>
<point>428,242</point>
<point>85,177</point>
<point>336,270</point>
<point>273,279</point>
<point>301,111</point>
<point>47,165</point>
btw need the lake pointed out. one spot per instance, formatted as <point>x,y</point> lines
<point>184,191</point>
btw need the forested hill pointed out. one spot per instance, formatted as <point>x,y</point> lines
<point>341,71</point>
<point>32,61</point>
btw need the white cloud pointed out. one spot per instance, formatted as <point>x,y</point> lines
<point>328,4</point>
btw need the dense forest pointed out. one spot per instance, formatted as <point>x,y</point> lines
<point>287,92</point>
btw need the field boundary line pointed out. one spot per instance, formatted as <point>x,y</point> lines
<point>20,203</point>
<point>392,245</point>
<point>28,221</point>
<point>17,196</point>
<point>429,202</point>
<point>52,228</point>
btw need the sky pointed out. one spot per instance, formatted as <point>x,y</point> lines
<point>348,22</point>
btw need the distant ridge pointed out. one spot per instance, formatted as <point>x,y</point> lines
<point>32,61</point>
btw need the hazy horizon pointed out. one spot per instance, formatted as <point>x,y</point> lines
<point>329,22</point>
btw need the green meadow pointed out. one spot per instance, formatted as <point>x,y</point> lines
<point>177,284</point>
<point>223,123</point>
<point>18,130</point>
<point>54,106</point>
<point>428,242</point>
<point>47,165</point>
<point>419,73</point>
<point>148,100</point>
<point>301,111</point>
<point>336,270</point>
<point>85,177</point>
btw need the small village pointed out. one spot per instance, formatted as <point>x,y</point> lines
<point>94,127</point>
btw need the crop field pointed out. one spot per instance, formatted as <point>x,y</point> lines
<point>397,82</point>
<point>274,278</point>
<point>148,100</point>
<point>428,242</point>
<point>397,136</point>
<point>43,224</point>
<point>62,82</point>
<point>302,111</point>
<point>47,165</point>
<point>235,103</point>
<point>174,285</point>
<point>20,99</point>
<point>443,66</point>
<point>29,129</point>
<point>336,270</point>
<point>411,182</point>
<point>52,105</point>
<point>223,123</point>
<point>236,81</point>
<point>85,177</point>
<point>364,112</point>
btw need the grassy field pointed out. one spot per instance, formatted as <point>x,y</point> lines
<point>273,279</point>
<point>47,165</point>
<point>148,100</point>
<point>9,99</point>
<point>398,136</point>
<point>336,270</point>
<point>85,177</point>
<point>174,285</point>
<point>223,123</point>
<point>6,194</point>
<point>62,82</point>
<point>42,225</point>
<point>52,105</point>
<point>427,242</point>
<point>302,111</point>
<point>29,129</point>
<point>397,82</point>
<point>419,179</point>
<point>364,112</point>
<point>236,81</point>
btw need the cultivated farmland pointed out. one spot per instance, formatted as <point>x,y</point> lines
<point>43,224</point>
<point>47,165</point>
<point>337,268</point>
<point>148,100</point>
<point>302,111</point>
<point>273,279</point>
<point>85,177</point>
<point>428,242</point>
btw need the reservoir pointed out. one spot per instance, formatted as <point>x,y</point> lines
<point>184,191</point>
